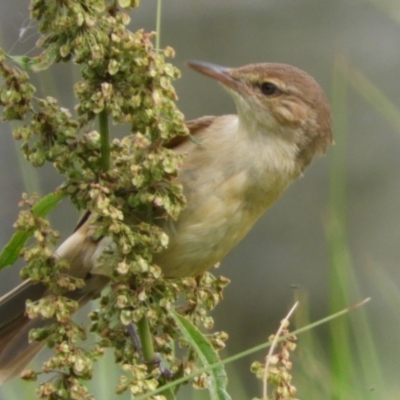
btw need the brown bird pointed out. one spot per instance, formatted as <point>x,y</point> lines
<point>235,170</point>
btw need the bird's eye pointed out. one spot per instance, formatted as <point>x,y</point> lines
<point>269,89</point>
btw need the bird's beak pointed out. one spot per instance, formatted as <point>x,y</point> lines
<point>217,72</point>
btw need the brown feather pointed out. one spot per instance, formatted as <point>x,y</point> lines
<point>195,126</point>
<point>84,217</point>
<point>15,349</point>
<point>12,304</point>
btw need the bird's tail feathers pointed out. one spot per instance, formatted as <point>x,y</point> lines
<point>15,349</point>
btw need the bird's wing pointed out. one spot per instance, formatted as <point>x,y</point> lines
<point>84,217</point>
<point>195,126</point>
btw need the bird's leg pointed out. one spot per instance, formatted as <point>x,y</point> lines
<point>136,341</point>
<point>165,372</point>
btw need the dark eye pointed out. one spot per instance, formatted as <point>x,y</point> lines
<point>269,89</point>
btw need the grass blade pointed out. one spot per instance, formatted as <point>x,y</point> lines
<point>207,355</point>
<point>12,249</point>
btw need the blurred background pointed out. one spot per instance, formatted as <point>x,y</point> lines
<point>340,220</point>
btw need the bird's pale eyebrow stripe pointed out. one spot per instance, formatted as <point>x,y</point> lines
<point>293,89</point>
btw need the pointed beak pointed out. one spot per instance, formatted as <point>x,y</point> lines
<point>217,72</point>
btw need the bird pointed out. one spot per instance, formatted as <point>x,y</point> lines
<point>231,174</point>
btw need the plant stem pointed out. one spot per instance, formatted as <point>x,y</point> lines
<point>104,141</point>
<point>146,339</point>
<point>343,366</point>
<point>158,25</point>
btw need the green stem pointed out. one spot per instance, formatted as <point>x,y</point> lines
<point>343,366</point>
<point>146,339</point>
<point>251,351</point>
<point>158,25</point>
<point>104,141</point>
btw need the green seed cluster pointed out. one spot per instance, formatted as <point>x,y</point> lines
<point>16,93</point>
<point>125,81</point>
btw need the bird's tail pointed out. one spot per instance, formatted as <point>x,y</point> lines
<point>15,350</point>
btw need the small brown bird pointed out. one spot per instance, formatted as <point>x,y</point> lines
<point>231,175</point>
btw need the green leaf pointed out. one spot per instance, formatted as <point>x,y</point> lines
<point>23,61</point>
<point>12,249</point>
<point>207,355</point>
<point>252,350</point>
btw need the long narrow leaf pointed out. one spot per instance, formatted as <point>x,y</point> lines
<point>12,249</point>
<point>341,274</point>
<point>207,355</point>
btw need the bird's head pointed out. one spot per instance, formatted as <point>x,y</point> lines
<point>277,99</point>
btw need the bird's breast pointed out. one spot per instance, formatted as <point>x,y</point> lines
<point>229,181</point>
<point>221,209</point>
